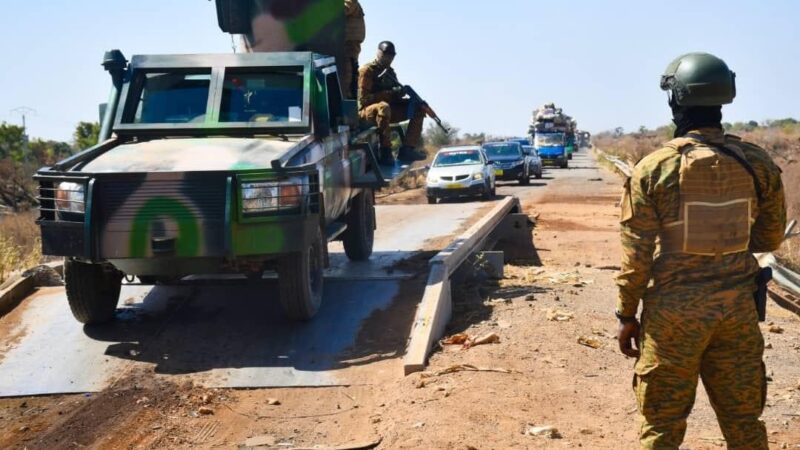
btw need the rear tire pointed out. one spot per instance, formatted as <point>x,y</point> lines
<point>538,174</point>
<point>359,237</point>
<point>92,291</point>
<point>300,279</point>
<point>431,200</point>
<point>526,179</point>
<point>564,164</point>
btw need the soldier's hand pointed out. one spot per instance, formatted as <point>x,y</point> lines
<point>628,337</point>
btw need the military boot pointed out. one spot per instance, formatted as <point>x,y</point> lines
<point>410,154</point>
<point>385,156</point>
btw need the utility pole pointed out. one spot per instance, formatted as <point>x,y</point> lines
<point>24,111</point>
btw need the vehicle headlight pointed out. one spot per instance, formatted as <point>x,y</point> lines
<point>432,179</point>
<point>273,196</point>
<point>477,176</point>
<point>70,197</point>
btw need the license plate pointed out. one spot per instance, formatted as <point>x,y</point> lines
<point>453,186</point>
<point>498,172</point>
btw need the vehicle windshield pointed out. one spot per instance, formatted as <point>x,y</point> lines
<point>529,150</point>
<point>273,95</point>
<point>459,158</point>
<point>549,140</point>
<point>502,150</point>
<point>173,98</point>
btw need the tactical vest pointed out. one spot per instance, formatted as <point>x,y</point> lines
<point>718,201</point>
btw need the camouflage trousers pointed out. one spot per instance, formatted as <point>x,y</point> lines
<point>348,70</point>
<point>384,114</point>
<point>711,335</point>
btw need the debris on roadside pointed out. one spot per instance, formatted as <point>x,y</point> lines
<point>554,315</point>
<point>205,411</point>
<point>777,329</point>
<point>273,402</point>
<point>467,341</point>
<point>544,431</point>
<point>463,368</point>
<point>590,342</point>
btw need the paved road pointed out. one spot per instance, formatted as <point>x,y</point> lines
<point>223,332</point>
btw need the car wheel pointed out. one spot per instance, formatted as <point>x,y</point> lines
<point>92,291</point>
<point>359,237</point>
<point>300,279</point>
<point>539,174</point>
<point>431,200</point>
<point>487,192</point>
<point>526,178</point>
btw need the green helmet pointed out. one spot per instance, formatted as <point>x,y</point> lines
<point>699,79</point>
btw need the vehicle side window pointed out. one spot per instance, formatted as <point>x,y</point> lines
<point>334,100</point>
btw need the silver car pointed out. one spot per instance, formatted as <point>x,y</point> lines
<point>460,172</point>
<point>534,161</point>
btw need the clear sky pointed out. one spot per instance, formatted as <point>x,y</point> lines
<point>483,65</point>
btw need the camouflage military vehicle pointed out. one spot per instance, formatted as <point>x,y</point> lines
<point>208,164</point>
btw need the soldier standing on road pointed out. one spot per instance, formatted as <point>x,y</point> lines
<point>354,34</point>
<point>693,214</point>
<point>380,101</point>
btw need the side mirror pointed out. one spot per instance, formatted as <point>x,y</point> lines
<point>489,163</point>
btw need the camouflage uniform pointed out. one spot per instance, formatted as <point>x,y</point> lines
<point>698,316</point>
<point>379,105</point>
<point>354,34</point>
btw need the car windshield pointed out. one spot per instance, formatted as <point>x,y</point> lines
<point>460,158</point>
<point>495,150</point>
<point>173,98</point>
<point>274,95</point>
<point>529,150</point>
<point>549,140</point>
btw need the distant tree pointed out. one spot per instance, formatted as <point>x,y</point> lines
<point>12,142</point>
<point>86,135</point>
<point>437,137</point>
<point>473,138</point>
<point>46,153</point>
<point>752,124</point>
<point>643,130</point>
<point>619,132</point>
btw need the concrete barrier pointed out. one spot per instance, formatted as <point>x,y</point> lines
<point>435,310</point>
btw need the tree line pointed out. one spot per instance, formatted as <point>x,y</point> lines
<point>21,157</point>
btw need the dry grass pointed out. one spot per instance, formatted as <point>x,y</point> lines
<point>783,143</point>
<point>20,243</point>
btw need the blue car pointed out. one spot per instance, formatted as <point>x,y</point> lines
<point>509,160</point>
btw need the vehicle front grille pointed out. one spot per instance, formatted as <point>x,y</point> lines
<point>133,213</point>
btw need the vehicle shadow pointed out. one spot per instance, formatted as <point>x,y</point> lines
<point>236,324</point>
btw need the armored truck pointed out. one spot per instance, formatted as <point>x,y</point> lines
<point>209,164</point>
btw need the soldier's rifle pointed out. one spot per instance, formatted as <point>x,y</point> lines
<point>416,100</point>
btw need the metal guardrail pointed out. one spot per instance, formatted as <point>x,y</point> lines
<point>784,276</point>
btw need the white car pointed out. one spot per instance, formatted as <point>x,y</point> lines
<point>460,172</point>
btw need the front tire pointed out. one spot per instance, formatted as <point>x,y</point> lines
<point>538,174</point>
<point>300,279</point>
<point>431,200</point>
<point>92,291</point>
<point>359,237</point>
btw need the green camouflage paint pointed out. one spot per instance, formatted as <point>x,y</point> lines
<point>188,239</point>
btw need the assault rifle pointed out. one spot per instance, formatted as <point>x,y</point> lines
<point>416,100</point>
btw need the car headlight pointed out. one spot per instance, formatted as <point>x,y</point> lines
<point>273,196</point>
<point>432,179</point>
<point>70,198</point>
<point>477,176</point>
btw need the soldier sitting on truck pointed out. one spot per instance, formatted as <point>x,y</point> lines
<point>381,102</point>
